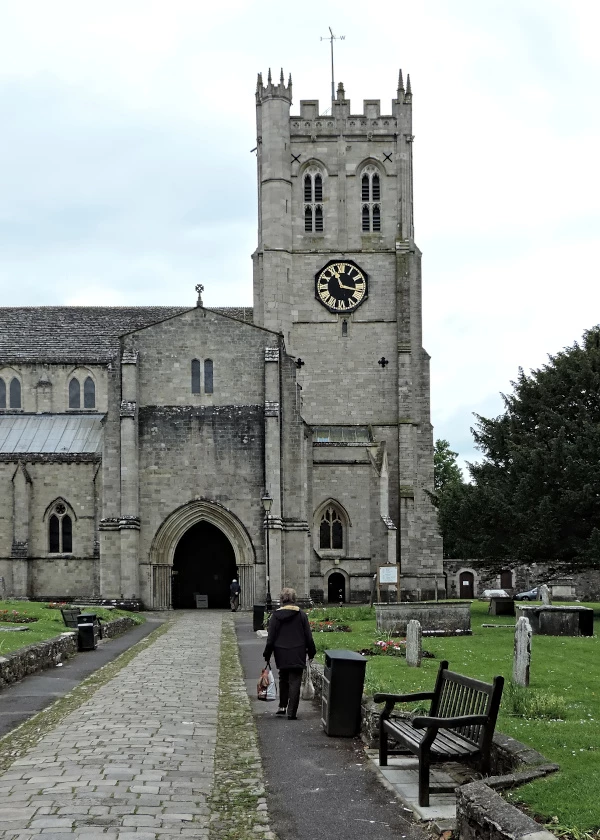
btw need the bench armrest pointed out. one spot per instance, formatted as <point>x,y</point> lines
<point>390,700</point>
<point>449,723</point>
<point>402,698</point>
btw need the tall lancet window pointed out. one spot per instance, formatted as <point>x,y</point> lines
<point>313,200</point>
<point>371,198</point>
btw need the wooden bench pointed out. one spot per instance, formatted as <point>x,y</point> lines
<point>69,615</point>
<point>460,725</point>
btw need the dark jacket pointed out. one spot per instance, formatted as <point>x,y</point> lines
<point>234,588</point>
<point>289,637</point>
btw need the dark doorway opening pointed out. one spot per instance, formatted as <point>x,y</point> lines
<point>336,588</point>
<point>467,585</point>
<point>204,563</point>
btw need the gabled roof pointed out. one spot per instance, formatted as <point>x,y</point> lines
<point>79,334</point>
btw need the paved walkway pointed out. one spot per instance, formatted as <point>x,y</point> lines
<point>136,760</point>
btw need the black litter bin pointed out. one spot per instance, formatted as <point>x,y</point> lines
<point>343,680</point>
<point>258,617</point>
<point>87,625</point>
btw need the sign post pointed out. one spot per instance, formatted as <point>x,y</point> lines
<point>388,574</point>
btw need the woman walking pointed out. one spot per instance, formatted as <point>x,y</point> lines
<point>290,639</point>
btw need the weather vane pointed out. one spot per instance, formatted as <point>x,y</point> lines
<point>333,38</point>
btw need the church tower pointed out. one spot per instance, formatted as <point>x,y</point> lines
<point>338,274</point>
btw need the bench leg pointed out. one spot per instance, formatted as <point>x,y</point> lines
<point>383,747</point>
<point>424,780</point>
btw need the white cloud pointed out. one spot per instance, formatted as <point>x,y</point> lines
<point>127,175</point>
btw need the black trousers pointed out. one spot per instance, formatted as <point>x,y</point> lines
<point>290,680</point>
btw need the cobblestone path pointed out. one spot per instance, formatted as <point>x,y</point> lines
<point>137,760</point>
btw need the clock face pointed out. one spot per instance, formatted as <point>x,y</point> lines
<point>341,286</point>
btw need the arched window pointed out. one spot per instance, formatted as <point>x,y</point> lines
<point>15,393</point>
<point>331,530</point>
<point>74,393</point>
<point>89,393</point>
<point>371,196</point>
<point>313,198</point>
<point>195,376</point>
<point>60,530</point>
<point>2,393</point>
<point>208,376</point>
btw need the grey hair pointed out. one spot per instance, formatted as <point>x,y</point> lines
<point>287,596</point>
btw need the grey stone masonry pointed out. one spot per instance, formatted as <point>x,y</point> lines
<point>414,649</point>
<point>137,759</point>
<point>522,653</point>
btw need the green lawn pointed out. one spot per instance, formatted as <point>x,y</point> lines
<point>49,623</point>
<point>565,677</point>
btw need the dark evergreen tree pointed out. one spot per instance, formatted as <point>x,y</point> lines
<point>536,493</point>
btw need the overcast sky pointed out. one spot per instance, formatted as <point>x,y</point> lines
<point>126,175</point>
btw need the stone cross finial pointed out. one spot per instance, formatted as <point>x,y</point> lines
<point>199,289</point>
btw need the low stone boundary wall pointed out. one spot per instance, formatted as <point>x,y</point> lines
<point>47,654</point>
<point>37,657</point>
<point>481,812</point>
<point>117,627</point>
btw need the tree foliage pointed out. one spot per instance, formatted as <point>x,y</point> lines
<point>536,493</point>
<point>448,490</point>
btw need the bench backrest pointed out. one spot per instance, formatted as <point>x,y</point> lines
<point>457,695</point>
<point>70,616</point>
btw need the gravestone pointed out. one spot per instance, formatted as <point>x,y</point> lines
<point>544,594</point>
<point>414,648</point>
<point>522,652</point>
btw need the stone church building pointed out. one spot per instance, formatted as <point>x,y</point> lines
<point>159,452</point>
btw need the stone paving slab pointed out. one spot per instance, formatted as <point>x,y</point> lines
<point>137,759</point>
<point>402,776</point>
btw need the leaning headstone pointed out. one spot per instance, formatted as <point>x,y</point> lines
<point>522,653</point>
<point>414,649</point>
<point>544,594</point>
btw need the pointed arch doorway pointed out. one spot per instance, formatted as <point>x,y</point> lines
<point>200,541</point>
<point>204,563</point>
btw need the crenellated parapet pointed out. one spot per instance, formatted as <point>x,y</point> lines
<point>272,90</point>
<point>310,122</point>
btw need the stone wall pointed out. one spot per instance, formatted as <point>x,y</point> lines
<point>481,812</point>
<point>48,654</point>
<point>38,657</point>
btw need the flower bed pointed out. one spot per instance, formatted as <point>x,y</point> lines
<point>16,617</point>
<point>329,627</point>
<point>391,647</point>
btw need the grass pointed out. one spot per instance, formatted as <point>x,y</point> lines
<point>48,625</point>
<point>558,714</point>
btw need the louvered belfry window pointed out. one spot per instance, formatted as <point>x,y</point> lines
<point>370,197</point>
<point>313,201</point>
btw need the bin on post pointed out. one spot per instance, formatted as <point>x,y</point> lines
<point>258,617</point>
<point>343,680</point>
<point>87,625</point>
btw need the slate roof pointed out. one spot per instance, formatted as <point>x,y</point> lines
<point>50,433</point>
<point>79,334</point>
